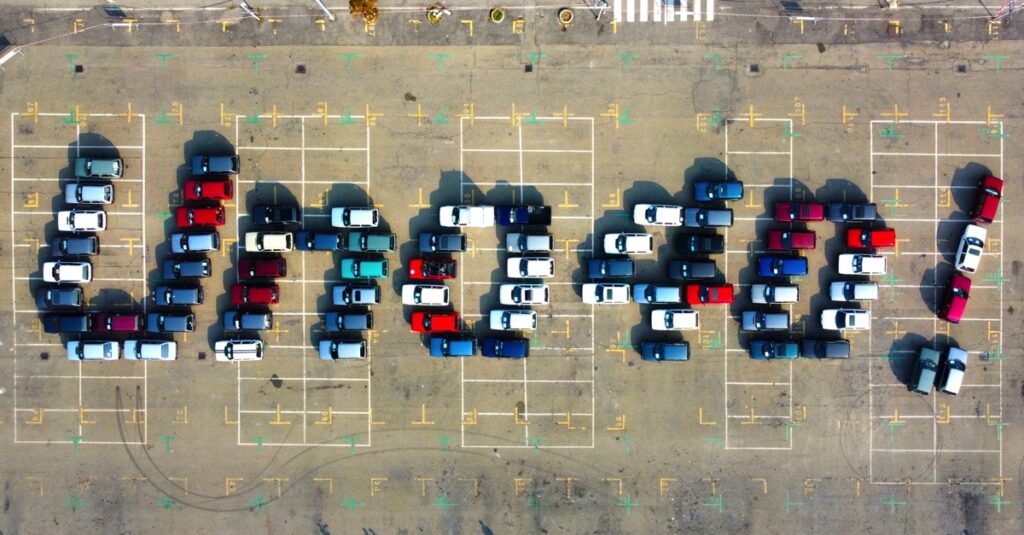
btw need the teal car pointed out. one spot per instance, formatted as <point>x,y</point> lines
<point>364,268</point>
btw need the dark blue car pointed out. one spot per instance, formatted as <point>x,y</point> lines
<point>176,268</point>
<point>444,346</point>
<point>308,240</point>
<point>59,298</point>
<point>505,348</point>
<point>781,266</point>
<point>607,268</point>
<point>772,349</point>
<point>659,351</point>
<point>718,190</point>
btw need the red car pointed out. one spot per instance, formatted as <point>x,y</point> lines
<point>866,238</point>
<point>262,268</point>
<point>108,322</point>
<point>955,302</point>
<point>786,240</point>
<point>199,217</point>
<point>431,268</point>
<point>254,294</point>
<point>786,211</point>
<point>986,204</point>
<point>430,322</point>
<point>208,190</point>
<point>709,294</point>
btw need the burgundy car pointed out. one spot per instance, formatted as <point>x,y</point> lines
<point>986,204</point>
<point>262,268</point>
<point>787,211</point>
<point>955,302</point>
<point>786,240</point>
<point>254,294</point>
<point>109,322</point>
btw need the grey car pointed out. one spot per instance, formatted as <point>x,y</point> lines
<point>98,168</point>
<point>759,320</point>
<point>88,193</point>
<point>657,293</point>
<point>75,246</point>
<point>203,165</point>
<point>187,269</point>
<point>158,322</point>
<point>247,321</point>
<point>355,294</point>
<point>57,298</point>
<point>707,217</point>
<point>442,243</point>
<point>348,321</point>
<point>168,295</point>
<point>203,242</point>
<point>692,269</point>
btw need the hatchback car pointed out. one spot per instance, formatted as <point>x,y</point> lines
<point>66,323</point>
<point>354,217</point>
<point>150,350</point>
<point>93,350</point>
<point>451,346</point>
<point>675,319</point>
<point>220,189</point>
<point>657,294</point>
<point>261,268</point>
<point>276,214</point>
<point>432,268</point>
<point>867,238</point>
<point>109,322</point>
<point>523,294</point>
<point>355,294</point>
<point>954,370</point>
<point>513,320</point>
<point>972,244</point>
<point>175,269</point>
<point>255,294</point>
<point>508,348</point>
<point>431,242</point>
<point>235,320</point>
<point>269,242</point>
<point>202,242</point>
<point>186,216</point>
<point>848,319</point>
<point>793,212</point>
<point>99,168</point>
<point>707,217</point>
<point>926,368</point>
<point>427,295</point>
<point>81,221</point>
<point>709,294</point>
<point>342,350</point>
<point>825,349</point>
<point>518,242</point>
<point>307,240</point>
<point>205,164</point>
<point>692,269</point>
<point>663,351</point>
<point>610,268</point>
<point>843,291</point>
<point>75,246</point>
<point>717,190</point>
<point>770,294</point>
<point>363,268</point>
<point>844,211</point>
<point>57,298</point>
<point>435,322</point>
<point>986,202</point>
<point>349,321</point>
<point>237,350</point>
<point>530,267</point>
<point>781,266</point>
<point>88,193</point>
<point>954,302</point>
<point>786,240</point>
<point>64,272</point>
<point>760,320</point>
<point>361,241</point>
<point>466,216</point>
<point>662,215</point>
<point>700,243</point>
<point>773,350</point>
<point>605,293</point>
<point>628,243</point>
<point>861,264</point>
<point>159,322</point>
<point>168,295</point>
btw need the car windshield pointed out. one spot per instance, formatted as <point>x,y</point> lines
<point>620,242</point>
<point>974,242</point>
<point>456,216</point>
<point>841,318</point>
<point>652,214</point>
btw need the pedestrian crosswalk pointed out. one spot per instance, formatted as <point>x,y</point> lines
<point>663,10</point>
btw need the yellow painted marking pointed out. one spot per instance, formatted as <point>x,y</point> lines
<point>468,110</point>
<point>847,115</point>
<point>415,24</point>
<point>663,484</point>
<point>37,327</point>
<point>423,417</point>
<point>419,202</point>
<point>330,483</point>
<point>321,110</point>
<point>942,327</point>
<point>564,115</point>
<point>129,204</point>
<point>224,25</point>
<point>77,25</point>
<point>699,31</point>
<point>85,483</point>
<point>31,201</point>
<point>568,485</point>
<point>945,26</point>
<point>702,122</point>
<point>568,248</point>
<point>896,114</point>
<point>469,418</point>
<point>134,481</point>
<point>846,29</point>
<point>1002,484</point>
<point>321,199</point>
<point>857,480</point>
<point>946,414</point>
<point>370,28</point>
<point>276,331</point>
<point>763,481</point>
<point>521,484</point>
<point>277,417</point>
<point>177,110</point>
<point>31,23</point>
<point>566,332</point>
<point>227,242</point>
<point>33,111</point>
<point>988,414</point>
<point>995,245</point>
<point>800,23</point>
<point>277,480</point>
<point>224,116</point>
<point>273,24</point>
<point>176,23</point>
<point>752,115</point>
<point>799,110</point>
<point>714,484</point>
<point>231,484</point>
<point>897,25</point>
<point>423,484</point>
<point>36,418</point>
<point>613,114</point>
<point>131,245</point>
<point>945,110</point>
<point>518,25</point>
<point>700,418</point>
<point>469,23</point>
<point>371,118</point>
<point>896,248</point>
<point>801,414</point>
<point>896,332</point>
<point>419,115</point>
<point>945,198</point>
<point>616,480</point>
<point>993,28</point>
<point>992,333</point>
<point>568,423</point>
<point>273,116</point>
<point>614,200</point>
<point>81,416</point>
<point>751,199</point>
<point>135,420</point>
<point>615,27</point>
<point>38,480</point>
<point>896,416</point>
<point>909,483</point>
<point>322,23</point>
<point>751,421</point>
<point>372,421</point>
<point>326,417</point>
<point>809,486</point>
<point>517,117</point>
<point>515,417</point>
<point>226,420</point>
<point>181,417</point>
<point>476,484</point>
<point>128,114</point>
<point>620,423</point>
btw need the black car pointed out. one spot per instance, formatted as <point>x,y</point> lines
<point>825,349</point>
<point>157,322</point>
<point>276,214</point>
<point>187,269</point>
<point>692,269</point>
<point>167,295</point>
<point>75,246</point>
<point>67,323</point>
<point>608,268</point>
<point>700,243</point>
<point>844,211</point>
<point>442,243</point>
<point>59,298</point>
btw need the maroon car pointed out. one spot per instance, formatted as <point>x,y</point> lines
<point>787,211</point>
<point>262,268</point>
<point>110,322</point>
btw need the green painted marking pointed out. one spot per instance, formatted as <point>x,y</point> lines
<point>70,117</point>
<point>259,442</point>
<point>716,342</point>
<point>443,504</point>
<point>535,442</point>
<point>890,59</point>
<point>789,429</point>
<point>254,118</point>
<point>73,502</point>
<point>627,503</point>
<point>997,501</point>
<point>893,426</point>
<point>347,118</point>
<point>167,442</point>
<point>348,59</point>
<point>716,502</point>
<point>995,356</point>
<point>997,278</point>
<point>623,343</point>
<point>790,504</point>
<point>716,440</point>
<point>717,58</point>
<point>161,118</point>
<point>535,342</point>
<point>440,118</point>
<point>998,59</point>
<point>256,58</point>
<point>534,502</point>
<point>75,439</point>
<point>625,119</point>
<point>999,429</point>
<point>257,503</point>
<point>441,59</point>
<point>715,119</point>
<point>71,61</point>
<point>890,278</point>
<point>893,355</point>
<point>626,57</point>
<point>787,130</point>
<point>445,441</point>
<point>892,503</point>
<point>164,57</point>
<point>890,132</point>
<point>351,439</point>
<point>628,441</point>
<point>163,214</point>
<point>350,503</point>
<point>166,502</point>
<point>535,58</point>
<point>618,213</point>
<point>994,131</point>
<point>786,58</point>
<point>531,118</point>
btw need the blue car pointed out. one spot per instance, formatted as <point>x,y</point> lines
<point>308,240</point>
<point>505,348</point>
<point>607,268</point>
<point>781,266</point>
<point>443,346</point>
<point>659,351</point>
<point>773,349</point>
<point>710,191</point>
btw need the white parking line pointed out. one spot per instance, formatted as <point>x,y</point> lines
<point>68,179</point>
<point>307,149</point>
<point>80,147</point>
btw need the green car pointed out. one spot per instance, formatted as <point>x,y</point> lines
<point>363,268</point>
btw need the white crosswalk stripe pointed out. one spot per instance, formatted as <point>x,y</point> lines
<point>663,11</point>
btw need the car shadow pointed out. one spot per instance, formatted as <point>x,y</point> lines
<point>902,356</point>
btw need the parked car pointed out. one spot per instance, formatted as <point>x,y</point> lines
<point>628,243</point>
<point>786,240</point>
<point>59,298</point>
<point>709,294</point>
<point>700,243</point>
<point>524,215</point>
<point>435,322</point>
<point>65,272</point>
<point>186,216</point>
<point>793,212</point>
<point>169,295</point>
<point>662,215</point>
<point>354,217</point>
<point>954,302</point>
<point>238,350</point>
<point>762,320</point>
<point>261,268</point>
<point>236,320</point>
<point>206,164</point>
<point>657,294</point>
<point>220,189</point>
<point>451,346</point>
<point>954,370</point>
<point>81,221</point>
<point>610,268</point>
<point>159,322</point>
<point>773,349</point>
<point>363,268</point>
<point>530,267</point>
<point>517,242</point>
<point>342,350</point>
<point>717,190</point>
<point>150,350</point>
<point>361,241</point>
<point>93,350</point>
<point>692,269</point>
<point>781,266</point>
<point>99,168</point>
<point>843,291</point>
<point>844,211</point>
<point>66,323</point>
<point>426,295</point>
<point>707,217</point>
<point>88,193</point>
<point>513,320</point>
<point>255,294</point>
<point>466,216</point>
<point>349,321</point>
<point>926,368</point>
<point>175,269</point>
<point>308,240</point>
<point>276,214</point>
<point>861,264</point>
<point>675,319</point>
<point>431,242</point>
<point>770,294</point>
<point>605,293</point>
<point>355,294</point>
<point>75,246</point>
<point>201,242</point>
<point>825,349</point>
<point>523,294</point>
<point>839,319</point>
<point>111,322</point>
<point>867,238</point>
<point>514,348</point>
<point>268,242</point>
<point>968,254</point>
<point>432,268</point>
<point>986,202</point>
<point>662,351</point>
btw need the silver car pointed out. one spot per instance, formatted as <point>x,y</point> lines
<point>88,193</point>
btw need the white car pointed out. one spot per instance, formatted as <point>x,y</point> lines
<point>268,242</point>
<point>425,295</point>
<point>523,294</point>
<point>354,217</point>
<point>67,272</point>
<point>516,242</point>
<point>238,350</point>
<point>767,294</point>
<point>628,243</point>
<point>861,264</point>
<point>663,215</point>
<point>89,350</point>
<point>675,319</point>
<point>604,293</point>
<point>513,320</point>
<point>843,291</point>
<point>530,267</point>
<point>968,254</point>
<point>150,350</point>
<point>81,220</point>
<point>466,216</point>
<point>848,319</point>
